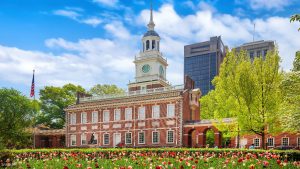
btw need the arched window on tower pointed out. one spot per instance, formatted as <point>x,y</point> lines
<point>153,44</point>
<point>147,45</point>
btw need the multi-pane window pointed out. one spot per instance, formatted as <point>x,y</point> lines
<point>73,118</point>
<point>141,113</point>
<point>83,139</point>
<point>128,114</point>
<point>128,138</point>
<point>298,142</point>
<point>73,140</point>
<point>258,53</point>
<point>155,111</point>
<point>251,54</point>
<point>170,110</point>
<point>170,136</point>
<point>155,137</point>
<point>256,142</point>
<point>83,118</point>
<point>141,138</point>
<point>117,114</point>
<point>105,139</point>
<point>106,116</point>
<point>265,52</point>
<point>285,141</point>
<point>95,140</point>
<point>270,142</point>
<point>95,117</point>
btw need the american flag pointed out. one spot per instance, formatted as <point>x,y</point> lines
<point>32,86</point>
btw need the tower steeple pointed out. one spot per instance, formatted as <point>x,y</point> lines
<point>150,65</point>
<point>151,24</point>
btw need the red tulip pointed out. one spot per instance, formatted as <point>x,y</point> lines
<point>266,163</point>
<point>278,161</point>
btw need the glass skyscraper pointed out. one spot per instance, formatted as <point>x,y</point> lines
<point>202,62</point>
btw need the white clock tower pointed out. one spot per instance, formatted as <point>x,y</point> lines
<point>150,65</point>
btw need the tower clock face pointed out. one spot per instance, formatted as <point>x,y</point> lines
<point>146,68</point>
<point>161,70</point>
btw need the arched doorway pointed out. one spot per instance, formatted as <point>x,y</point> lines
<point>193,138</point>
<point>209,138</point>
<point>212,137</point>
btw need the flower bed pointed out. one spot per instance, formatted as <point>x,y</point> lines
<point>151,158</point>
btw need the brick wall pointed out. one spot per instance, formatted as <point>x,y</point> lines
<point>247,140</point>
<point>148,125</point>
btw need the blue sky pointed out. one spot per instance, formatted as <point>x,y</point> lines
<point>94,41</point>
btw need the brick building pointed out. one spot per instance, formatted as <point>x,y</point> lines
<point>280,140</point>
<point>44,137</point>
<point>151,114</point>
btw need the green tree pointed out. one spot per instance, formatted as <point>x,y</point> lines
<point>291,93</point>
<point>296,63</point>
<point>101,90</point>
<point>294,18</point>
<point>16,112</point>
<point>248,91</point>
<point>53,100</point>
<point>223,102</point>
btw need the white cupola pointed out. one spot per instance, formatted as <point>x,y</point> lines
<point>150,64</point>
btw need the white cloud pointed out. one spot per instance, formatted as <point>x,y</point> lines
<point>92,21</point>
<point>117,29</point>
<point>76,15</point>
<point>67,13</point>
<point>110,3</point>
<point>85,62</point>
<point>269,4</point>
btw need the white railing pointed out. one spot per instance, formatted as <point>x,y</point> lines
<point>210,121</point>
<point>149,54</point>
<point>132,93</point>
<point>150,78</point>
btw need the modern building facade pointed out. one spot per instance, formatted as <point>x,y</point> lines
<point>202,62</point>
<point>257,48</point>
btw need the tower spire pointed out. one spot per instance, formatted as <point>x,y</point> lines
<point>151,24</point>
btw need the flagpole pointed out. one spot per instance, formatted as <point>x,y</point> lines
<point>34,84</point>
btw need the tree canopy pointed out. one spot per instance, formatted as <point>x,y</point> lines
<point>291,93</point>
<point>296,63</point>
<point>16,112</point>
<point>53,101</point>
<point>105,89</point>
<point>247,90</point>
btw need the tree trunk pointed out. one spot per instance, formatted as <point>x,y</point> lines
<point>263,135</point>
<point>238,139</point>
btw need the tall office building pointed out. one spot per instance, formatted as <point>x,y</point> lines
<point>257,48</point>
<point>202,62</point>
